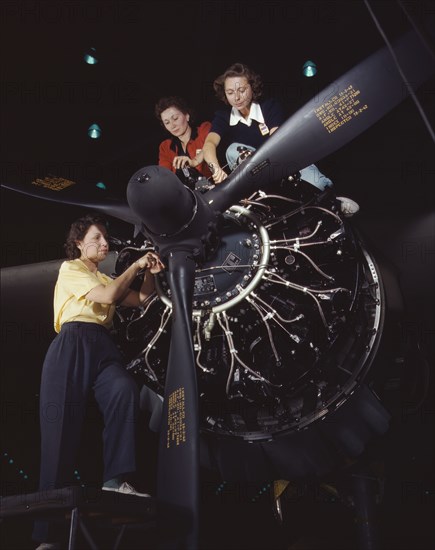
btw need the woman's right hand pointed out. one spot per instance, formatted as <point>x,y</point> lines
<point>180,162</point>
<point>218,174</point>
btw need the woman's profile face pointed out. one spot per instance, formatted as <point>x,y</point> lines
<point>175,121</point>
<point>238,92</point>
<point>94,246</point>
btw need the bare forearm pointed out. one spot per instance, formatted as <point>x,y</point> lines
<point>209,153</point>
<point>197,159</point>
<point>147,287</point>
<point>133,298</point>
<point>119,287</point>
<point>210,156</point>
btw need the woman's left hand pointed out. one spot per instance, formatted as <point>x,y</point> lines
<point>156,264</point>
<point>151,261</point>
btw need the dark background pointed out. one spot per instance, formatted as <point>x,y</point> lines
<point>50,96</point>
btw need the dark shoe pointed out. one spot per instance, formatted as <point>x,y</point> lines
<point>126,489</point>
<point>348,206</point>
<point>48,546</point>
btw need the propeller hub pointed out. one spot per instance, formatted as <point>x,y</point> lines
<point>161,201</point>
<point>173,216</point>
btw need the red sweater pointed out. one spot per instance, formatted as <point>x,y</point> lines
<point>171,148</point>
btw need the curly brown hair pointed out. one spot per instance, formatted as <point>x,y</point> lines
<point>238,69</point>
<point>77,232</point>
<point>173,101</point>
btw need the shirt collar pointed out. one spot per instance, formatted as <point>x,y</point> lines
<point>255,113</point>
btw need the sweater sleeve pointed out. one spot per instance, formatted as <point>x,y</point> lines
<point>166,156</point>
<point>273,113</point>
<point>220,123</point>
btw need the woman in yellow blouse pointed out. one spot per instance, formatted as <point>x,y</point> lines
<point>83,358</point>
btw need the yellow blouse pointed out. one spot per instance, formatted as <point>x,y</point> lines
<point>73,283</point>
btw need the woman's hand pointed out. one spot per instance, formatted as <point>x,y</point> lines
<point>181,162</point>
<point>152,262</point>
<point>217,173</point>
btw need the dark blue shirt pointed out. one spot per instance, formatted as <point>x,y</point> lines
<point>273,115</point>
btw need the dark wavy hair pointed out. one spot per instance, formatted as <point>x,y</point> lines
<point>238,69</point>
<point>173,101</point>
<point>77,232</point>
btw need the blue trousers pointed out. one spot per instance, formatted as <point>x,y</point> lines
<point>82,359</point>
<point>310,173</point>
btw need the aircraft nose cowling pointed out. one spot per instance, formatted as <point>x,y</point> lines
<point>161,201</point>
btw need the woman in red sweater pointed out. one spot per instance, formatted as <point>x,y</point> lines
<point>184,147</point>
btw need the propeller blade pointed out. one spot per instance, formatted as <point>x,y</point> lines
<point>181,226</point>
<point>178,470</point>
<point>330,120</point>
<point>115,207</point>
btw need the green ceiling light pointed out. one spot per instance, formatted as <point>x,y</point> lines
<point>309,68</point>
<point>90,56</point>
<point>94,131</point>
<point>101,185</point>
